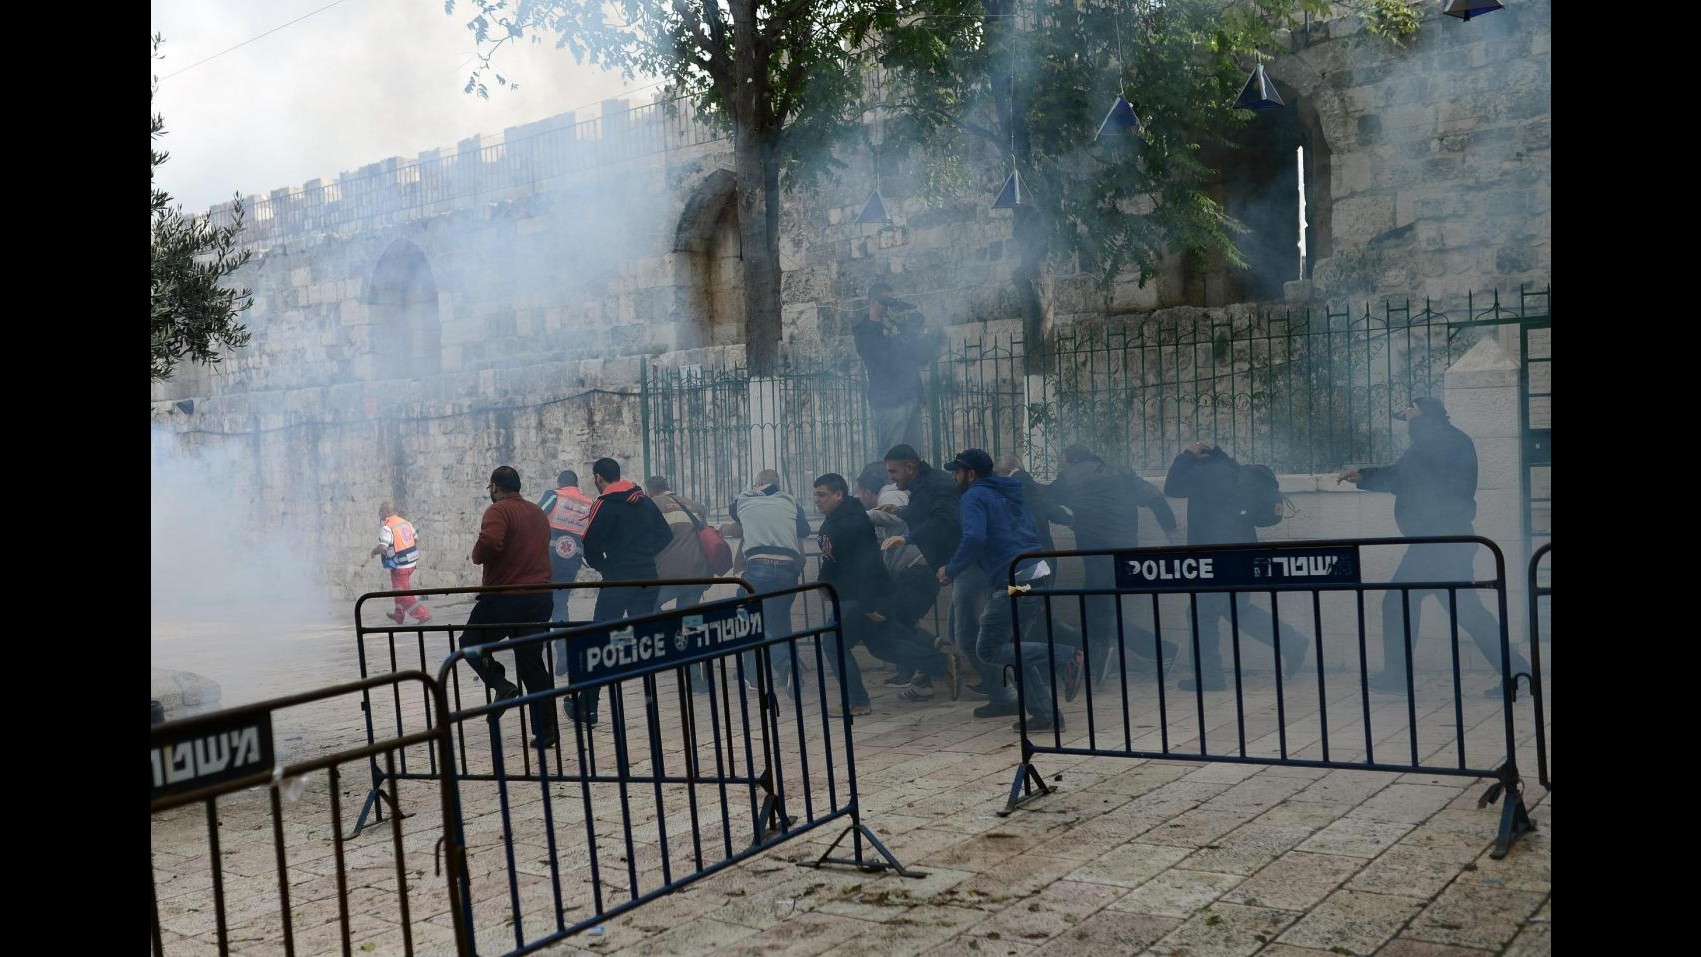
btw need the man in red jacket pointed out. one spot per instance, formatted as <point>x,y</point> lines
<point>513,547</point>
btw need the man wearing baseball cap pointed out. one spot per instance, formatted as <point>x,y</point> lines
<point>996,529</point>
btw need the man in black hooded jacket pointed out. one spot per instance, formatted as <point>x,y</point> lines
<point>1103,506</point>
<point>1435,488</point>
<point>1205,476</point>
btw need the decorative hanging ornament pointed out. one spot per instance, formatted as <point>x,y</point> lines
<point>1258,93</point>
<point>874,211</point>
<point>1011,195</point>
<point>1119,121</point>
<point>1466,9</point>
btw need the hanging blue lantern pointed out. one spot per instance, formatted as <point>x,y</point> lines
<point>1258,93</point>
<point>1120,119</point>
<point>1011,195</point>
<point>1466,9</point>
<point>874,211</point>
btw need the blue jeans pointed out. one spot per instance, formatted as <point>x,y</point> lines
<point>996,645</point>
<point>766,576</point>
<point>968,600</point>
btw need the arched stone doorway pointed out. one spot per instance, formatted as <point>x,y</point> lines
<point>1280,160</point>
<point>407,330</point>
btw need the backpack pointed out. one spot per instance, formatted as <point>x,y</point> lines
<point>1258,496</point>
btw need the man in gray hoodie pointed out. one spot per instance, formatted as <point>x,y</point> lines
<point>772,529</point>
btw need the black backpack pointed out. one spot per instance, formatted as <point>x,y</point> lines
<point>1258,496</point>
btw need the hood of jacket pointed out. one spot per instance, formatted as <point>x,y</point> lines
<point>622,490</point>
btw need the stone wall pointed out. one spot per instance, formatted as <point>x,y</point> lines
<point>1441,151</point>
<point>526,292</point>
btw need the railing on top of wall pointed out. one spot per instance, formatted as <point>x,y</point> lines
<point>1301,390</point>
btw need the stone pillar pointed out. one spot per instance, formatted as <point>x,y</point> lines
<point>1482,400</point>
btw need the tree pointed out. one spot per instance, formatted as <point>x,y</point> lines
<point>776,73</point>
<point>193,316</point>
<point>1031,81</point>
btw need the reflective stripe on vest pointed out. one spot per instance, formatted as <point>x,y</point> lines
<point>406,542</point>
<point>572,511</point>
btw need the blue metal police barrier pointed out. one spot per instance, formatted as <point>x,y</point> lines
<point>1218,582</point>
<point>1538,592</point>
<point>416,645</point>
<point>202,759</point>
<point>689,780</point>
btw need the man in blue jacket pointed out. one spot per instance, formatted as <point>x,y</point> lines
<point>996,528</point>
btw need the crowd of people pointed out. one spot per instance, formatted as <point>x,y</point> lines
<point>893,537</point>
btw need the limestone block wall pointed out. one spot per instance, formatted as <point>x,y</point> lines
<point>530,296</point>
<point>1440,151</point>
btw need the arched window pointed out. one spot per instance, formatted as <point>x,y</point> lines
<point>711,303</point>
<point>407,332</point>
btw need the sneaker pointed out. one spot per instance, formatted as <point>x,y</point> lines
<point>997,709</point>
<point>1072,676</point>
<point>901,679</point>
<point>394,615</point>
<point>1388,682</point>
<point>421,618</point>
<point>544,742</point>
<point>1037,723</point>
<point>921,690</point>
<point>1210,683</point>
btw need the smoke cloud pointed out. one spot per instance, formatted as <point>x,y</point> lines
<point>229,584</point>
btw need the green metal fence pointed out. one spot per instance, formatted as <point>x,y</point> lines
<point>1301,390</point>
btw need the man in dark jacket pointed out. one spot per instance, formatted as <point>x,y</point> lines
<point>1010,465</point>
<point>1103,507</point>
<point>894,347</point>
<point>850,562</point>
<point>1435,490</point>
<point>996,529</point>
<point>935,528</point>
<point>1205,476</point>
<point>625,534</point>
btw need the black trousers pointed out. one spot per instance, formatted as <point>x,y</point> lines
<point>528,658</point>
<point>614,604</point>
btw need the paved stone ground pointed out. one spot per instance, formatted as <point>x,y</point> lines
<point>1128,856</point>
